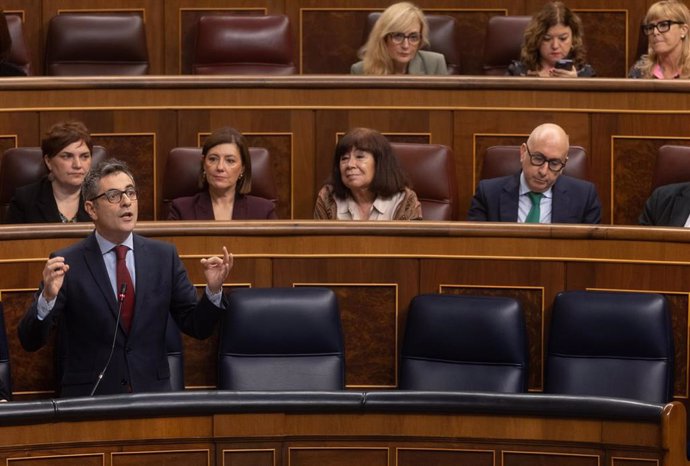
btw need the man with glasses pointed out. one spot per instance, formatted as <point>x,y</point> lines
<point>112,294</point>
<point>538,194</point>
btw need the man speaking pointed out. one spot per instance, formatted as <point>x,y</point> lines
<point>113,293</point>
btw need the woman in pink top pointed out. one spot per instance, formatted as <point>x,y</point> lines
<point>668,55</point>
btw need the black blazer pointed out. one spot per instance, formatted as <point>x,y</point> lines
<point>87,310</point>
<point>574,200</point>
<point>35,203</point>
<point>668,205</point>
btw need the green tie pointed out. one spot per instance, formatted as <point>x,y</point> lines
<point>534,212</point>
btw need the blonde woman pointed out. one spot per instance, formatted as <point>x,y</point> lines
<point>668,53</point>
<point>394,42</point>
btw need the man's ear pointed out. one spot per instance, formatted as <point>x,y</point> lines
<point>90,209</point>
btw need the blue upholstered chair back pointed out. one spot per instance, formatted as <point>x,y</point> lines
<point>282,339</point>
<point>5,377</point>
<point>466,343</point>
<point>612,344</point>
<point>175,350</point>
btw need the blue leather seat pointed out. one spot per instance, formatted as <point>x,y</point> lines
<point>464,343</point>
<point>613,344</point>
<point>175,350</point>
<point>281,339</point>
<point>5,376</point>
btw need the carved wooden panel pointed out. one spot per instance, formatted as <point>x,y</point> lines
<point>444,457</point>
<point>94,459</point>
<point>247,457</point>
<point>177,457</point>
<point>633,168</point>
<point>32,373</point>
<point>604,32</point>
<point>525,458</point>
<point>315,456</point>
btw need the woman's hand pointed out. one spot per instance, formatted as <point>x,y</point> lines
<point>561,73</point>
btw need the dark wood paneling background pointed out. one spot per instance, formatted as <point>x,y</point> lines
<point>328,33</point>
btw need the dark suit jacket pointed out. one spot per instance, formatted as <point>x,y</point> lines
<point>668,205</point>
<point>35,203</point>
<point>87,309</point>
<point>199,207</point>
<point>574,201</point>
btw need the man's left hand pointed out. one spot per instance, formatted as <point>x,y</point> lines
<point>216,270</point>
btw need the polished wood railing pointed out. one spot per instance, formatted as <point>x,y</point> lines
<point>313,429</point>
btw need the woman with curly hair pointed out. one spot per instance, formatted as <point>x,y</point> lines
<point>553,46</point>
<point>668,53</point>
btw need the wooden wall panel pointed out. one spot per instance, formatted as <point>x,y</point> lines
<point>444,457</point>
<point>247,457</point>
<point>173,457</point>
<point>525,458</point>
<point>606,31</point>
<point>318,456</point>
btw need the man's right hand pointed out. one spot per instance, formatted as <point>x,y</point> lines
<point>53,277</point>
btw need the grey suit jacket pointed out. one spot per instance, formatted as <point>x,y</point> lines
<point>668,205</point>
<point>87,311</point>
<point>574,201</point>
<point>425,62</point>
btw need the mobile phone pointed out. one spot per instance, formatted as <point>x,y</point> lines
<point>565,64</point>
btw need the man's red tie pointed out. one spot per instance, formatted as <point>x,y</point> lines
<point>123,276</point>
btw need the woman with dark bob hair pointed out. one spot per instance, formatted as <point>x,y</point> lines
<point>553,35</point>
<point>366,182</point>
<point>57,198</point>
<point>226,180</point>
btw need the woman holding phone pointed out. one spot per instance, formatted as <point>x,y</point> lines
<point>553,46</point>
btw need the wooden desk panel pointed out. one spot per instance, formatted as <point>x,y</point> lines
<point>321,437</point>
<point>375,270</point>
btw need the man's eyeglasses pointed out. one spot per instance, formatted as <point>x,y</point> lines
<point>114,196</point>
<point>398,37</point>
<point>661,26</point>
<point>537,159</point>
